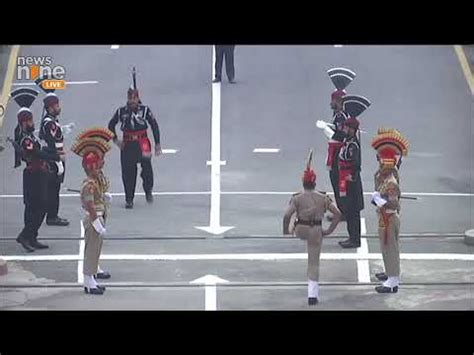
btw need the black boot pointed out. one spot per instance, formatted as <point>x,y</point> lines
<point>56,221</point>
<point>385,289</point>
<point>149,197</point>
<point>93,291</point>
<point>25,243</point>
<point>350,243</point>
<point>37,245</point>
<point>381,276</point>
<point>217,80</point>
<point>129,205</point>
<point>312,301</point>
<point>102,275</point>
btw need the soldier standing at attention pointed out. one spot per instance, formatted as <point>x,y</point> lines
<point>390,146</point>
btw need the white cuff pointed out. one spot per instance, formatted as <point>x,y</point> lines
<point>108,197</point>
<point>60,167</point>
<point>99,228</point>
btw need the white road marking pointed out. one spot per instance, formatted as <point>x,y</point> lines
<point>215,162</point>
<point>244,256</point>
<point>363,268</point>
<point>169,151</point>
<point>363,226</point>
<point>80,263</point>
<point>266,150</point>
<point>338,46</point>
<point>114,46</point>
<point>426,194</point>
<point>210,289</point>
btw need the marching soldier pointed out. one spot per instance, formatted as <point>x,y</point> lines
<point>35,175</point>
<point>341,78</point>
<point>135,147</point>
<point>390,146</point>
<point>349,164</point>
<point>51,133</point>
<point>309,207</point>
<point>92,145</point>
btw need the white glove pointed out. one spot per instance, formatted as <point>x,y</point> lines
<point>321,124</point>
<point>68,128</point>
<point>60,166</point>
<point>379,201</point>
<point>108,198</point>
<point>326,127</point>
<point>98,226</point>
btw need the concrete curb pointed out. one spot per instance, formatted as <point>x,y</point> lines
<point>469,237</point>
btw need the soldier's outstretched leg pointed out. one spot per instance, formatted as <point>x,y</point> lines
<point>129,174</point>
<point>147,177</point>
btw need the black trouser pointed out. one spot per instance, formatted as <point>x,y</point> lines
<point>353,203</point>
<point>228,53</point>
<point>35,199</point>
<point>54,188</point>
<point>130,156</point>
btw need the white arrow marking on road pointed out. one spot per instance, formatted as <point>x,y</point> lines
<point>210,289</point>
<point>215,162</point>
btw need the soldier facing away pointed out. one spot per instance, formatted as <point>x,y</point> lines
<point>309,207</point>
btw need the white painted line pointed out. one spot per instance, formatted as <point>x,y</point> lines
<point>114,46</point>
<point>215,162</point>
<point>427,194</point>
<point>32,83</point>
<point>363,227</point>
<point>80,263</point>
<point>169,151</point>
<point>266,150</point>
<point>338,46</point>
<point>363,267</point>
<point>243,256</point>
<point>210,289</point>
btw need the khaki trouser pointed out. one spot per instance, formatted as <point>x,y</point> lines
<point>313,237</point>
<point>391,249</point>
<point>93,247</point>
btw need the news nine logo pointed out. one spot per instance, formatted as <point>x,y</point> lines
<point>32,68</point>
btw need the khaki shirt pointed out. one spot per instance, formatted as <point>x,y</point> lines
<point>94,190</point>
<point>307,205</point>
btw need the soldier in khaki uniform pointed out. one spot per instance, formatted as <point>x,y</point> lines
<point>390,146</point>
<point>309,207</point>
<point>92,145</point>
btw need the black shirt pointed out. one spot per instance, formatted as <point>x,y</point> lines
<point>131,121</point>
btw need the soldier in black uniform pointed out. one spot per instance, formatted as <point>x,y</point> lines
<point>341,78</point>
<point>226,51</point>
<point>135,146</point>
<point>52,134</point>
<point>35,175</point>
<point>349,163</point>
